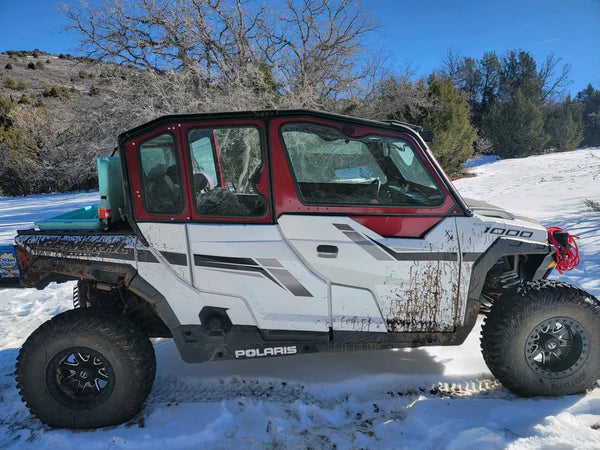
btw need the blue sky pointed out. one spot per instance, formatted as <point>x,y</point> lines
<point>413,33</point>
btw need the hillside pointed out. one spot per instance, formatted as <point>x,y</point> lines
<point>438,397</point>
<point>74,76</point>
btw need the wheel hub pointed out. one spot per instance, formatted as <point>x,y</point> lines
<point>81,375</point>
<point>556,347</point>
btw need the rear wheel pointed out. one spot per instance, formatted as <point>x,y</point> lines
<point>543,338</point>
<point>86,368</point>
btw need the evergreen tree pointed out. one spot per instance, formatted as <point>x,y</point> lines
<point>590,101</point>
<point>564,124</point>
<point>449,119</point>
<point>519,73</point>
<point>516,127</point>
<point>490,85</point>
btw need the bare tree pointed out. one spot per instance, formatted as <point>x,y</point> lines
<point>318,46</point>
<point>554,78</point>
<point>313,48</point>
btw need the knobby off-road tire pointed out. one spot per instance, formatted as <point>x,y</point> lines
<point>543,338</point>
<point>86,368</point>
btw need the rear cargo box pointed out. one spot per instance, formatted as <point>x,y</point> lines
<point>110,185</point>
<point>81,219</point>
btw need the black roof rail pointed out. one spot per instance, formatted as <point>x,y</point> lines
<point>417,128</point>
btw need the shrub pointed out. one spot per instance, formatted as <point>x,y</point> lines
<point>22,85</point>
<point>47,61</point>
<point>24,100</point>
<point>31,66</point>
<point>56,92</point>
<point>39,65</point>
<point>8,66</point>
<point>10,83</point>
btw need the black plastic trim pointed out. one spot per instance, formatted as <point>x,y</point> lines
<point>501,247</point>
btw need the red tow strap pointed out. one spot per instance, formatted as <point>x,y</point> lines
<point>567,257</point>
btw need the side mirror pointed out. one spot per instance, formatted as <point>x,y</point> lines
<point>427,135</point>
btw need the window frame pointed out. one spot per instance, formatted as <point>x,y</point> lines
<point>375,133</point>
<point>142,177</point>
<point>263,169</point>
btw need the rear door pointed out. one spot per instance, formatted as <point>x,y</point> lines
<point>363,208</point>
<point>236,249</point>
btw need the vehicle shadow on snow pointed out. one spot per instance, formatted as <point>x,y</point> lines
<point>379,373</point>
<point>320,373</point>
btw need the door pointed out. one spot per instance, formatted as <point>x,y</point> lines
<point>364,209</point>
<point>234,247</point>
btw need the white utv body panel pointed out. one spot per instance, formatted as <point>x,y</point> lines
<point>274,277</point>
<point>249,270</point>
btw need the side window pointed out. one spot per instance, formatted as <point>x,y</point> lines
<point>331,168</point>
<point>225,163</point>
<point>161,176</point>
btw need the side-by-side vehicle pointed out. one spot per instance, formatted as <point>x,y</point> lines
<point>277,233</point>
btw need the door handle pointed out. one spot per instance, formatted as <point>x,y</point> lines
<point>327,251</point>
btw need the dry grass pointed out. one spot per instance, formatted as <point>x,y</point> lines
<point>592,204</point>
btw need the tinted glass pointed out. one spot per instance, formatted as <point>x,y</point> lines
<point>225,163</point>
<point>332,168</point>
<point>163,192</point>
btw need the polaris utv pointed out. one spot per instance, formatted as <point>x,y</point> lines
<point>277,233</point>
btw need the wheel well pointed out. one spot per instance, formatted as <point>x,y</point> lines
<point>120,300</point>
<point>507,272</point>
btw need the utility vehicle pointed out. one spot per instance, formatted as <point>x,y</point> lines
<point>277,233</point>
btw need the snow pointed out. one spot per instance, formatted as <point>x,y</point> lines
<point>481,160</point>
<point>438,397</point>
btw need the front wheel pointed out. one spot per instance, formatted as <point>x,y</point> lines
<point>86,368</point>
<point>543,338</point>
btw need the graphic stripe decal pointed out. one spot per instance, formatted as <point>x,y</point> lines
<point>471,257</point>
<point>364,243</point>
<point>225,259</point>
<point>290,282</point>
<point>269,262</point>
<point>146,256</point>
<point>419,256</point>
<point>177,259</point>
<point>376,249</point>
<point>200,260</point>
<point>276,273</point>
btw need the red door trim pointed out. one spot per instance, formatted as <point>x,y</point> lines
<point>137,192</point>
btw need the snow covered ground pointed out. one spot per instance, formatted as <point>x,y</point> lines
<point>420,398</point>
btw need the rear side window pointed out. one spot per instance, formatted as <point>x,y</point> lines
<point>161,176</point>
<point>331,168</point>
<point>225,165</point>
